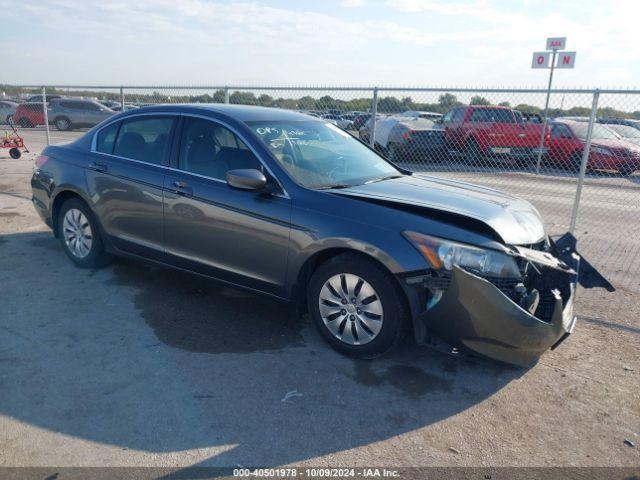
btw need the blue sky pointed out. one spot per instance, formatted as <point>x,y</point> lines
<point>333,42</point>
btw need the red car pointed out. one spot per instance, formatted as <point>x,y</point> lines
<point>29,115</point>
<point>480,130</point>
<point>608,150</point>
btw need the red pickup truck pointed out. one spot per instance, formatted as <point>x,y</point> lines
<point>491,131</point>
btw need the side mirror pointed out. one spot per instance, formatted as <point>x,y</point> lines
<point>246,179</point>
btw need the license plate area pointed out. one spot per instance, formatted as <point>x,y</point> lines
<point>501,150</point>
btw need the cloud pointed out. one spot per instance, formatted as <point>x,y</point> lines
<point>352,3</point>
<point>460,42</point>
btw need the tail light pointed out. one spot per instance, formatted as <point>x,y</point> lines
<point>407,135</point>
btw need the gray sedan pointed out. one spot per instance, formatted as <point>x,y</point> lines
<point>69,113</point>
<point>295,208</point>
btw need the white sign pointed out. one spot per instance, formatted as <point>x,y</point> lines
<point>566,60</point>
<point>556,43</point>
<point>541,60</point>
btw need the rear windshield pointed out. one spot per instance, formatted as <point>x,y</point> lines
<point>494,115</point>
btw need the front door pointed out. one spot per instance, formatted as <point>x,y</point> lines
<point>236,235</point>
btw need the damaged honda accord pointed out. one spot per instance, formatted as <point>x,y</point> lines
<point>291,206</point>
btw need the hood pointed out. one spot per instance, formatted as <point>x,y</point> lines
<point>614,144</point>
<point>516,221</point>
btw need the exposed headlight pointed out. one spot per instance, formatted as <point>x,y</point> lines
<point>443,254</point>
<point>601,150</point>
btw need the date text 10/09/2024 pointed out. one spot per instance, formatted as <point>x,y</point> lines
<point>316,472</point>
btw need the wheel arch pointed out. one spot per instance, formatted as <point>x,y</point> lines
<point>59,199</point>
<point>311,264</point>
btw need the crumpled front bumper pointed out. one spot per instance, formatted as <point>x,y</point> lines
<point>475,314</point>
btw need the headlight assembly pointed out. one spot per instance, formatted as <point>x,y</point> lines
<point>443,254</point>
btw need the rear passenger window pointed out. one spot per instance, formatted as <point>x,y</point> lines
<point>210,149</point>
<point>144,139</point>
<point>106,138</point>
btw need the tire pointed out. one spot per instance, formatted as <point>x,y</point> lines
<point>9,119</point>
<point>25,123</point>
<point>62,123</point>
<point>576,162</point>
<point>392,152</point>
<point>75,218</point>
<point>15,153</point>
<point>472,153</point>
<point>372,325</point>
<point>626,171</point>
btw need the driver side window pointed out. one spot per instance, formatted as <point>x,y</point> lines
<point>209,149</point>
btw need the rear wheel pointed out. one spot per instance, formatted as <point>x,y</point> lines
<point>357,306</point>
<point>25,123</point>
<point>80,236</point>
<point>15,153</point>
<point>62,123</point>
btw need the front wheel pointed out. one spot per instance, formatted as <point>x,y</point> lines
<point>472,152</point>
<point>80,236</point>
<point>357,306</point>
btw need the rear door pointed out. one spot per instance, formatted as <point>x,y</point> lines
<point>125,177</point>
<point>236,235</point>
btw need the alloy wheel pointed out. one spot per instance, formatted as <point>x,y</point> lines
<point>77,233</point>
<point>62,124</point>
<point>351,309</point>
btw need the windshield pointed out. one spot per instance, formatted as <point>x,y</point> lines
<point>625,131</point>
<point>318,154</point>
<point>599,131</point>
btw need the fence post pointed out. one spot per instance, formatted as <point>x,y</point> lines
<point>585,159</point>
<point>226,94</point>
<point>374,112</point>
<point>546,115</point>
<point>122,98</point>
<point>45,114</point>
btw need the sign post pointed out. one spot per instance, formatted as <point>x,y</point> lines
<point>542,60</point>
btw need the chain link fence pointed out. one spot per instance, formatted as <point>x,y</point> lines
<point>581,168</point>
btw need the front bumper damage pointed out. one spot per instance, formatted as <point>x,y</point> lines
<point>485,316</point>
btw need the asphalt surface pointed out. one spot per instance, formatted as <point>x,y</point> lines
<point>132,365</point>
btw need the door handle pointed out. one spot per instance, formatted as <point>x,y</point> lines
<point>181,188</point>
<point>98,166</point>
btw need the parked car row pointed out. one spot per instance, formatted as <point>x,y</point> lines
<point>493,133</point>
<point>63,113</point>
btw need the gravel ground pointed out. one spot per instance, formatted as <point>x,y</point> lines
<point>135,366</point>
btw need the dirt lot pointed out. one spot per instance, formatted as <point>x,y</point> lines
<point>131,365</point>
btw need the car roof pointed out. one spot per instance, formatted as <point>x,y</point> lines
<point>72,99</point>
<point>243,113</point>
<point>500,107</point>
